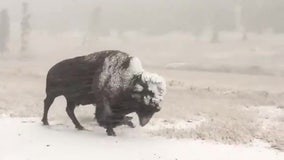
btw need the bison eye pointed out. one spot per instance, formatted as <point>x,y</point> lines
<point>150,93</point>
<point>147,100</point>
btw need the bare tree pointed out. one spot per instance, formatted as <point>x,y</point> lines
<point>4,30</point>
<point>215,22</point>
<point>25,27</point>
<point>239,17</point>
<point>215,36</point>
<point>93,27</point>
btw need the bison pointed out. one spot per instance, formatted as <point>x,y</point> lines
<point>113,81</point>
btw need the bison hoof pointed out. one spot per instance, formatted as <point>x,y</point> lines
<point>127,121</point>
<point>110,132</point>
<point>80,127</point>
<point>45,122</point>
<point>130,124</point>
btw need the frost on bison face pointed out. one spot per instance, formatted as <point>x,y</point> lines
<point>111,80</point>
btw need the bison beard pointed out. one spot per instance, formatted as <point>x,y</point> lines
<point>111,80</point>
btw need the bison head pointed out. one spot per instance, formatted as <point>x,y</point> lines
<point>148,91</point>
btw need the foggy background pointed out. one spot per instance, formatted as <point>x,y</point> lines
<point>231,35</point>
<point>222,60</point>
<point>151,17</point>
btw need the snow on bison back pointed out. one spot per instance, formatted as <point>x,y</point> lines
<point>113,81</point>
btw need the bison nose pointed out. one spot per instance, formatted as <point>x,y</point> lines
<point>158,108</point>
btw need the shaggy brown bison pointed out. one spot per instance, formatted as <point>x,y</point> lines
<point>111,80</point>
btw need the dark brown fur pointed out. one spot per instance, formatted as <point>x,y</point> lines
<point>80,81</point>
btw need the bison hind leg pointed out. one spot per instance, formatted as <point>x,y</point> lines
<point>47,103</point>
<point>70,111</point>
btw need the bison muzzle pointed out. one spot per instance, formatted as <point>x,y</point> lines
<point>111,80</point>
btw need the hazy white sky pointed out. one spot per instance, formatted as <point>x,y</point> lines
<point>145,15</point>
<point>76,14</point>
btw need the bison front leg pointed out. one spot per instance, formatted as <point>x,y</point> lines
<point>110,131</point>
<point>104,118</point>
<point>123,120</point>
<point>117,120</point>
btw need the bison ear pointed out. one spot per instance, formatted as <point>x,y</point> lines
<point>134,66</point>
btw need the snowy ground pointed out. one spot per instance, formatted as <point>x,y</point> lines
<point>224,101</point>
<point>26,139</point>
